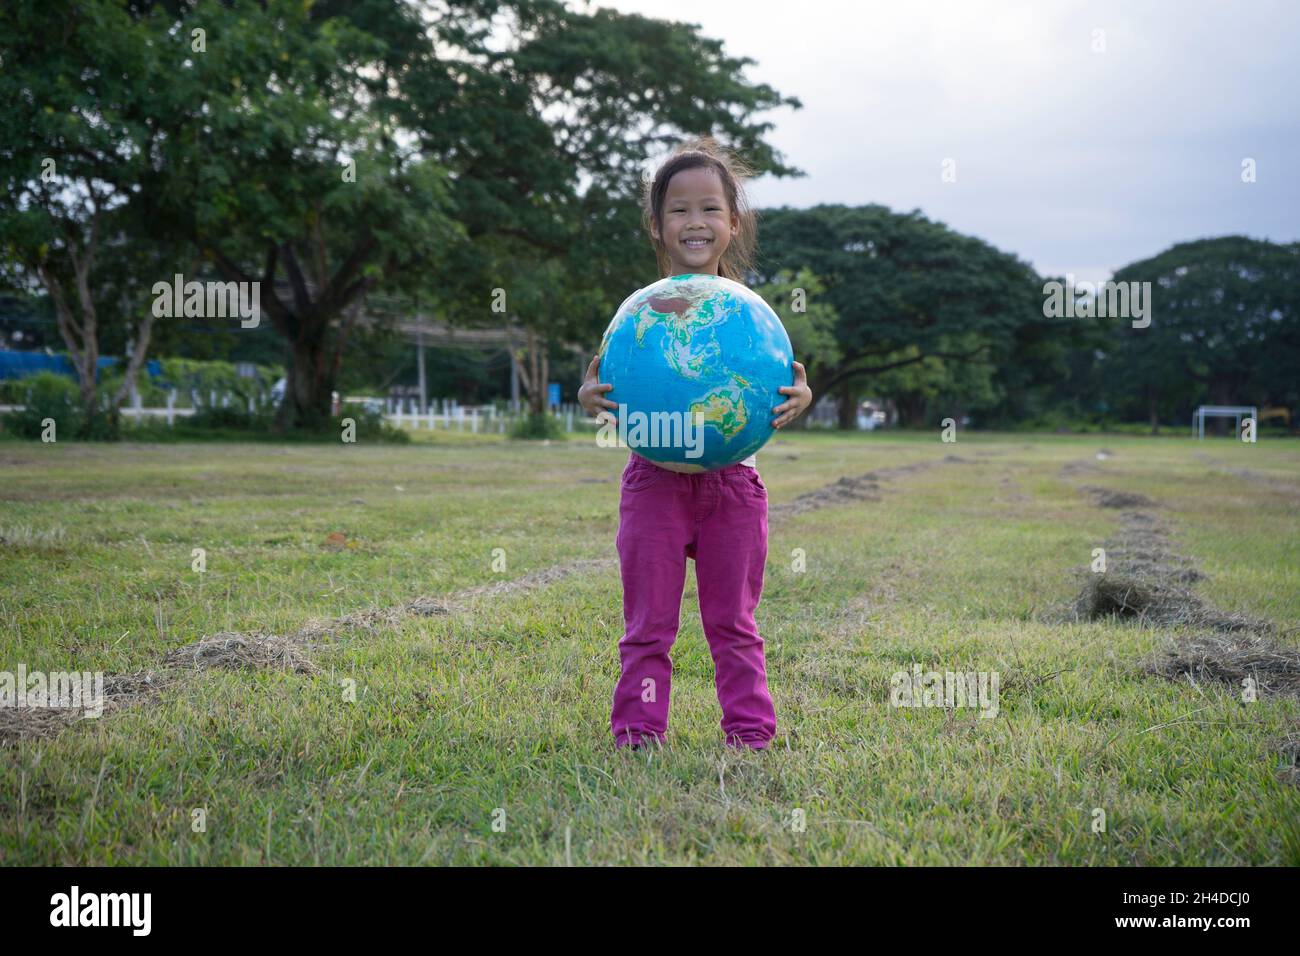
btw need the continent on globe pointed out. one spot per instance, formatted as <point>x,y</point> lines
<point>724,408</point>
<point>690,311</point>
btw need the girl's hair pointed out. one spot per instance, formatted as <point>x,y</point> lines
<point>705,153</point>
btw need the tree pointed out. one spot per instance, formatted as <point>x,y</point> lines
<point>905,290</point>
<point>1225,326</point>
<point>477,167</point>
<point>952,387</point>
<point>85,97</point>
<point>596,95</point>
<point>809,319</point>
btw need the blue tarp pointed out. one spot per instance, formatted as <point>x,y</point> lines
<point>22,364</point>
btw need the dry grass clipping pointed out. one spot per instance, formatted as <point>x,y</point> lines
<point>1146,581</point>
<point>844,491</point>
<point>234,651</point>
<point>854,488</point>
<point>1109,498</point>
<point>120,690</point>
<point>1231,659</point>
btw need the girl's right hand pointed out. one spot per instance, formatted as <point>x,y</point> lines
<point>592,394</point>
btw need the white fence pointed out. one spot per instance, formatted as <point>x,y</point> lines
<point>442,414</point>
<point>136,410</point>
<point>449,415</point>
<point>214,399</point>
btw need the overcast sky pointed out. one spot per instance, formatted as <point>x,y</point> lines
<point>1077,161</point>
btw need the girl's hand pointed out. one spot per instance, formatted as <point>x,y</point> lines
<point>800,398</point>
<point>592,394</point>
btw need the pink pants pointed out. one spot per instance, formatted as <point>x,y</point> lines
<point>719,519</point>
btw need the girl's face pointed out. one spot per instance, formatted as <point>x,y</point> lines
<point>697,225</point>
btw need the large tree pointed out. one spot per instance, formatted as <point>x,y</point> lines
<point>88,92</point>
<point>906,290</point>
<point>809,318</point>
<point>484,161</point>
<point>1224,329</point>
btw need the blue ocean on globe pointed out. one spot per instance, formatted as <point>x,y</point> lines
<point>697,361</point>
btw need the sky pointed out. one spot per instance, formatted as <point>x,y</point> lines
<point>1077,150</point>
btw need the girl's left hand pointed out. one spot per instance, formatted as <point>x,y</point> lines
<point>800,398</point>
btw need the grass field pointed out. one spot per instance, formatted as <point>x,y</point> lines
<point>495,710</point>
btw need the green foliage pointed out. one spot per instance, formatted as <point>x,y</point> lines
<point>334,150</point>
<point>238,425</point>
<point>905,290</point>
<point>202,378</point>
<point>944,324</point>
<point>205,377</point>
<point>48,395</point>
<point>934,388</point>
<point>86,93</point>
<point>104,425</point>
<point>226,417</point>
<point>370,426</point>
<point>1225,328</point>
<point>808,316</point>
<point>536,426</point>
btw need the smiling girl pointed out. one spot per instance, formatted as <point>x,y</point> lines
<point>699,221</point>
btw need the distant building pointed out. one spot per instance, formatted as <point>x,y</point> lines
<point>872,414</point>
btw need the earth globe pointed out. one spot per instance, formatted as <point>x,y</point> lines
<point>695,361</point>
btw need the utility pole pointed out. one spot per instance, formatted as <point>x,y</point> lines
<point>515,372</point>
<point>419,338</point>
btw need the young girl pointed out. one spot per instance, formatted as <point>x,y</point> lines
<point>699,221</point>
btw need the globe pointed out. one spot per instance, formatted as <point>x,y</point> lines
<point>696,362</point>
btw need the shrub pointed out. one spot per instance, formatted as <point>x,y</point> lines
<point>47,395</point>
<point>105,425</point>
<point>536,426</point>
<point>230,416</point>
<point>371,427</point>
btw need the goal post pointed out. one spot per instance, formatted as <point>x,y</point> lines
<point>1237,412</point>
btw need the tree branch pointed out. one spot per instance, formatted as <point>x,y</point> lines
<point>301,297</point>
<point>848,373</point>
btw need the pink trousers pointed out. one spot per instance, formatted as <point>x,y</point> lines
<point>719,519</point>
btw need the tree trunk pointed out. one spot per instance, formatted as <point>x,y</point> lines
<point>1221,393</point>
<point>847,408</point>
<point>315,324</point>
<point>309,385</point>
<point>911,408</point>
<point>139,348</point>
<point>1153,408</point>
<point>534,368</point>
<point>538,400</point>
<point>81,337</point>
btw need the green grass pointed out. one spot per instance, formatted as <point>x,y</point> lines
<point>503,709</point>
